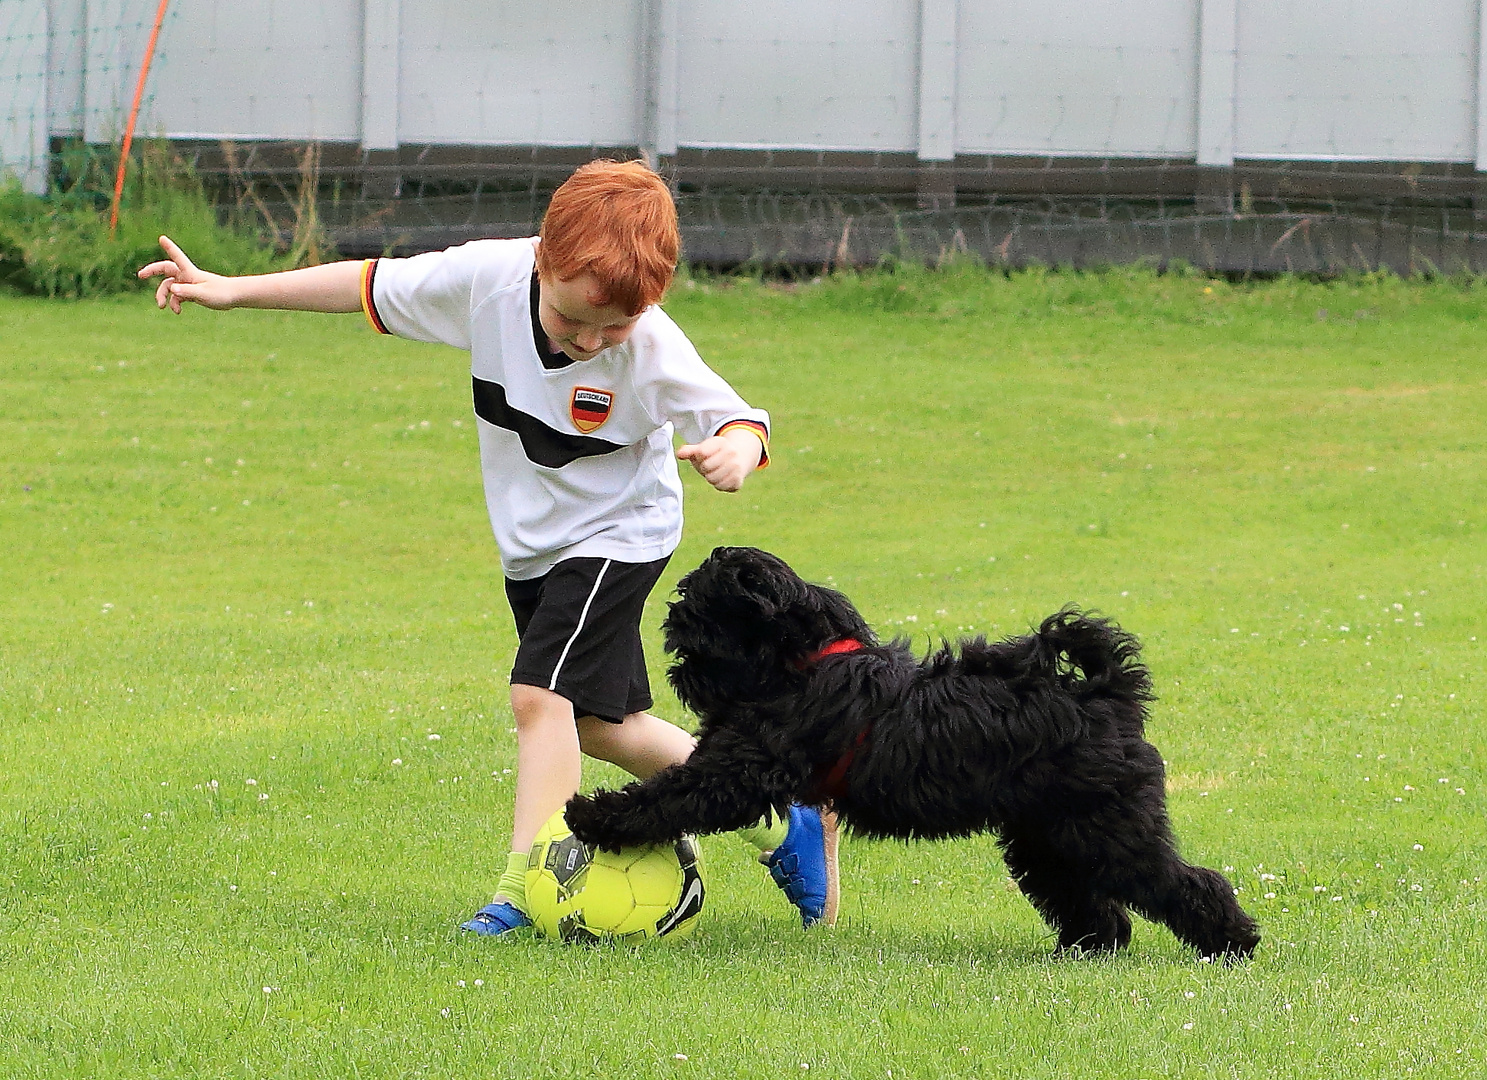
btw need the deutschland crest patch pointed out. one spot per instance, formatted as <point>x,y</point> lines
<point>589,408</point>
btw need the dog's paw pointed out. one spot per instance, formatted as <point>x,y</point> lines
<point>592,822</point>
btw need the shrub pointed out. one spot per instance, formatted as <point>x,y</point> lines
<point>59,245</point>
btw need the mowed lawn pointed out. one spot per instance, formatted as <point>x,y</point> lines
<point>255,752</point>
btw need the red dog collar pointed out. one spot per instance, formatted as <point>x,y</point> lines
<point>830,782</point>
<point>842,646</point>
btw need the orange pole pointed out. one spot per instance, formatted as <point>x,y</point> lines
<point>139,96</point>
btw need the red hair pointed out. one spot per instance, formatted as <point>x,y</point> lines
<point>615,220</point>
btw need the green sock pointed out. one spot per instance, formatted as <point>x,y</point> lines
<point>513,883</point>
<point>767,833</point>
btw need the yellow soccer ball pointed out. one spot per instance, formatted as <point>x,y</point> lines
<point>576,893</point>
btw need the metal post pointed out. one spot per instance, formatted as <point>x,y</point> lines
<point>1218,62</point>
<point>381,77</point>
<point>1477,247</point>
<point>938,21</point>
<point>658,81</point>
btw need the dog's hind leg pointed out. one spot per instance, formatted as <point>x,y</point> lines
<point>1138,864</point>
<point>1198,905</point>
<point>1063,895</point>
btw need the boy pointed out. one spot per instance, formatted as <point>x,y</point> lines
<point>579,381</point>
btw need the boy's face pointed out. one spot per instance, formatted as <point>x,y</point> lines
<point>575,319</point>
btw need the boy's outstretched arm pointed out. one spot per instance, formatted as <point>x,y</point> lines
<point>332,288</point>
<point>724,461</point>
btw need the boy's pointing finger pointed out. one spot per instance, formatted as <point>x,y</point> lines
<point>177,256</point>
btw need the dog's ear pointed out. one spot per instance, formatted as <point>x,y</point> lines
<point>770,586</point>
<point>744,583</point>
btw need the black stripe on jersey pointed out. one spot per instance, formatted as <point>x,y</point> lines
<point>543,445</point>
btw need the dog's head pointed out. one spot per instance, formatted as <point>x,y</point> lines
<point>744,627</point>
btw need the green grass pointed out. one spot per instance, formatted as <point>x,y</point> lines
<point>252,547</point>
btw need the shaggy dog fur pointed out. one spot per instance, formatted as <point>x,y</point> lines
<point>1037,738</point>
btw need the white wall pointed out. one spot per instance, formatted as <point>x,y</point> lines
<point>493,72</point>
<point>786,73</point>
<point>1093,77</point>
<point>1345,79</point>
<point>1365,79</point>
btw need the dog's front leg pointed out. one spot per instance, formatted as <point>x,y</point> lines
<point>724,785</point>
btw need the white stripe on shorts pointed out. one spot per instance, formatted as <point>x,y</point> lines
<point>582,618</point>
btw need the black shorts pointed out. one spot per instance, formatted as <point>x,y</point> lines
<point>579,627</point>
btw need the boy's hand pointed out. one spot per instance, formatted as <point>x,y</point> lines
<point>183,281</point>
<point>725,460</point>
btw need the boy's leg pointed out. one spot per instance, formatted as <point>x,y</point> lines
<point>548,768</point>
<point>578,628</point>
<point>641,744</point>
<point>549,761</point>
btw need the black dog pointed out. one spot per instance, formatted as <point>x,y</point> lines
<point>1038,738</point>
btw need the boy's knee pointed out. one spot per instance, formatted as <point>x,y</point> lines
<point>532,705</point>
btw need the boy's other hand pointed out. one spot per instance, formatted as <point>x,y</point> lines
<point>725,460</point>
<point>183,281</point>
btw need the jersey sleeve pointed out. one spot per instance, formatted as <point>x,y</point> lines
<point>696,400</point>
<point>429,297</point>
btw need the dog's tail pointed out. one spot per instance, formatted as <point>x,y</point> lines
<point>1108,658</point>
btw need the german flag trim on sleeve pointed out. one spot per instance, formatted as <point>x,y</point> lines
<point>759,430</point>
<point>368,305</point>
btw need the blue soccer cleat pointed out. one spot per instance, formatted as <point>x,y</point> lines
<point>495,919</point>
<point>804,866</point>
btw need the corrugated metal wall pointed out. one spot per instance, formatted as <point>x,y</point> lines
<point>1391,80</point>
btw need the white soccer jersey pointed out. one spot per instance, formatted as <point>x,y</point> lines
<point>577,455</point>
